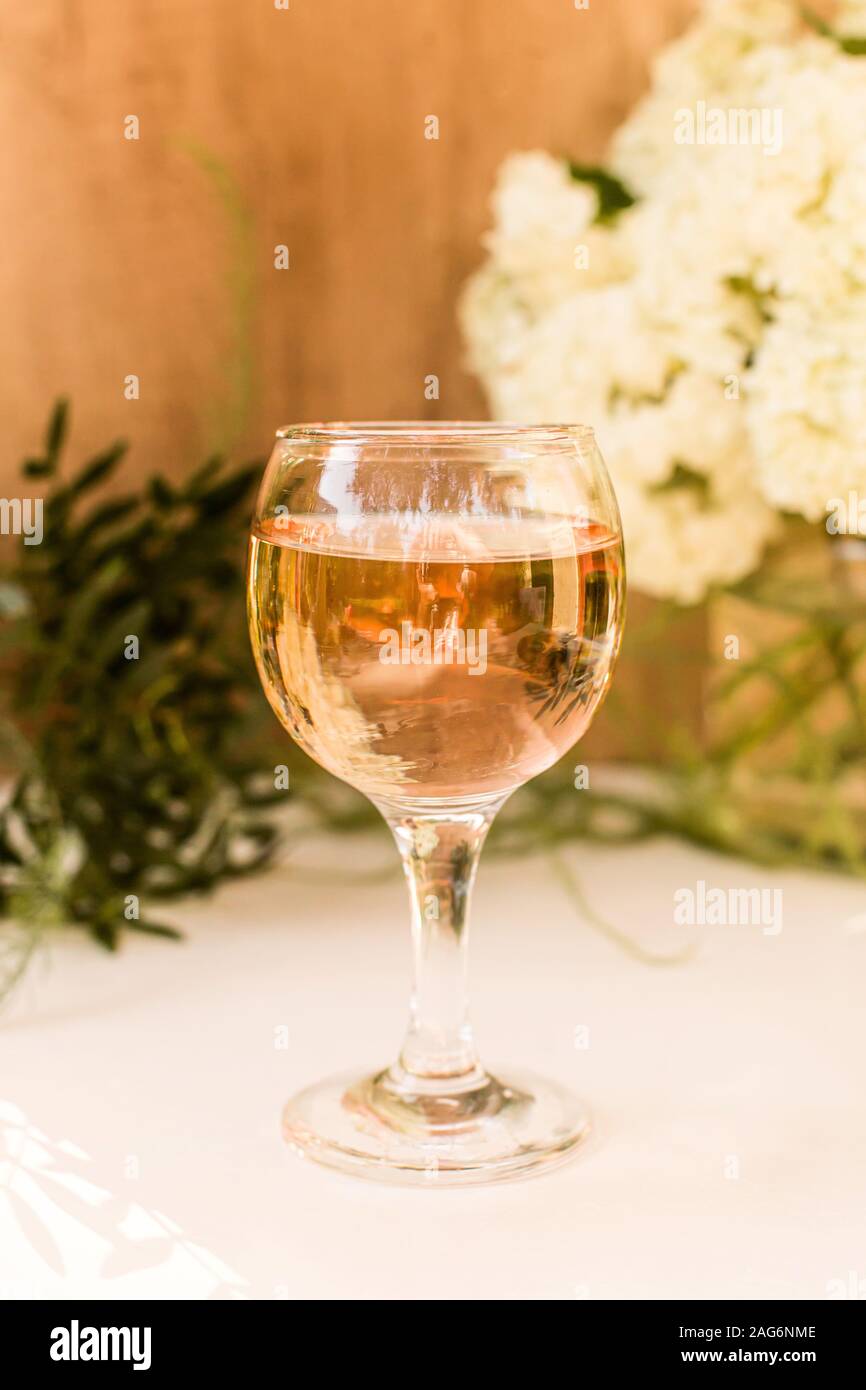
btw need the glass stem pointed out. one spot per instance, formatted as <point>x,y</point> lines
<point>440,857</point>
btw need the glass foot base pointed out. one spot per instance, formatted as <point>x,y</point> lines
<point>398,1129</point>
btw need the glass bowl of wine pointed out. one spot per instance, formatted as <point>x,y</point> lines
<point>435,611</point>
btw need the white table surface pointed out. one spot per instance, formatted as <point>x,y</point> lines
<point>141,1094</point>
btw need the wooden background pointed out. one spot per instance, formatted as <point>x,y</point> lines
<point>136,257</point>
<point>261,127</point>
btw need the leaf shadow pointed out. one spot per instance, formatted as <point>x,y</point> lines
<point>55,1193</point>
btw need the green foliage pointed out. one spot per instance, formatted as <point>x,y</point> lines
<point>613,196</point>
<point>230,410</point>
<point>687,479</point>
<point>134,775</point>
<point>856,47</point>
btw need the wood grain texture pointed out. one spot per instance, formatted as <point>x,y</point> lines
<point>123,257</point>
<point>120,258</point>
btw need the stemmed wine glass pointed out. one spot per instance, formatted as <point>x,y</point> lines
<point>435,612</point>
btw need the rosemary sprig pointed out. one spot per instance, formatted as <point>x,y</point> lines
<point>131,698</point>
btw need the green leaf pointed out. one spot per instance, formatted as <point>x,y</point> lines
<point>198,480</point>
<point>103,517</point>
<point>56,432</point>
<point>856,47</point>
<point>683,478</point>
<point>106,934</point>
<point>99,468</point>
<point>815,22</point>
<point>226,495</point>
<point>37,467</point>
<point>613,196</point>
<point>155,929</point>
<point>161,493</point>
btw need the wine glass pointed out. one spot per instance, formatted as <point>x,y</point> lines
<point>435,612</point>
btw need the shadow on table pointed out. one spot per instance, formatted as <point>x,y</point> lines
<point>81,1228</point>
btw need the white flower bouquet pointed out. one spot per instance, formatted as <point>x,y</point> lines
<point>702,302</point>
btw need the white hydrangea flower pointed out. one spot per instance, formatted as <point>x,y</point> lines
<point>716,339</point>
<point>692,512</point>
<point>543,237</point>
<point>706,64</point>
<point>566,364</point>
<point>805,407</point>
<point>494,323</point>
<point>534,198</point>
<point>682,541</point>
